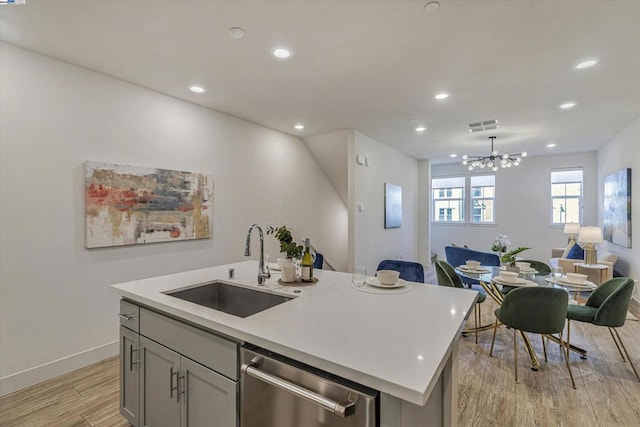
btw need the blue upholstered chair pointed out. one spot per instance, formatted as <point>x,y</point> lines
<point>457,255</point>
<point>318,262</point>
<point>411,271</point>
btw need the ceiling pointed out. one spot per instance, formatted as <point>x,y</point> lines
<point>370,65</point>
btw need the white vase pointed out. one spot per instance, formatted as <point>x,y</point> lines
<point>288,269</point>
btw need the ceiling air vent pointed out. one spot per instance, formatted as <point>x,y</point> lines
<point>480,126</point>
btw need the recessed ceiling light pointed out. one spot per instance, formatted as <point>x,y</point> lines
<point>585,64</point>
<point>299,126</point>
<point>281,53</point>
<point>567,105</point>
<point>452,155</point>
<point>236,33</point>
<point>442,95</point>
<point>421,128</point>
<point>196,89</point>
<point>551,145</point>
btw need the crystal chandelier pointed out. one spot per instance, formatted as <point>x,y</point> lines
<point>493,160</point>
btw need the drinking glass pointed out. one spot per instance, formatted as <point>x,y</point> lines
<point>359,276</point>
<point>557,272</point>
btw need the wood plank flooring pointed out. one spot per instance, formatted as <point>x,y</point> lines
<point>607,394</point>
<point>86,397</point>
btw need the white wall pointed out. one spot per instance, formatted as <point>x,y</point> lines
<point>623,152</point>
<point>523,206</point>
<point>56,310</point>
<point>330,150</point>
<point>371,241</point>
<point>424,207</point>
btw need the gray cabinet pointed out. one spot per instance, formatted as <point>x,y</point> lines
<point>209,398</point>
<point>159,385</point>
<point>129,375</point>
<point>181,376</point>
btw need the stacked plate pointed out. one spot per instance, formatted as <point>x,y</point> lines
<point>571,283</point>
<point>373,281</point>
<point>478,270</point>
<point>512,280</point>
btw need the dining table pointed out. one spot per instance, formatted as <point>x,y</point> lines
<point>490,279</point>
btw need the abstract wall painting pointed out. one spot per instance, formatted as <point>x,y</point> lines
<point>392,206</point>
<point>129,205</point>
<point>617,208</point>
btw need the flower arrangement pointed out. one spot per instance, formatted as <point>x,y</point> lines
<point>290,248</point>
<point>500,243</point>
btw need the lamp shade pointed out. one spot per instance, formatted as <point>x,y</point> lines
<point>571,228</point>
<point>590,235</point>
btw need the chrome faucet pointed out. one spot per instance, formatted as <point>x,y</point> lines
<point>263,273</point>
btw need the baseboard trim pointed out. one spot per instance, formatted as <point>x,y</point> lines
<point>23,379</point>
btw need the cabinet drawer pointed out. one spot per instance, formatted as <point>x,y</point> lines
<point>130,315</point>
<point>208,349</point>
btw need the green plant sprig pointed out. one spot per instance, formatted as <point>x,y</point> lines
<point>510,257</point>
<point>287,246</point>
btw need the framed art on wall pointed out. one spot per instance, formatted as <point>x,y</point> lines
<point>617,208</point>
<point>130,205</point>
<point>392,206</point>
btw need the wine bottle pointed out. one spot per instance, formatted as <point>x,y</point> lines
<point>307,263</point>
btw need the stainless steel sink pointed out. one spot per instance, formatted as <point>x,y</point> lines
<point>235,300</point>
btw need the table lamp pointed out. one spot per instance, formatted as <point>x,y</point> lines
<point>590,236</point>
<point>572,229</point>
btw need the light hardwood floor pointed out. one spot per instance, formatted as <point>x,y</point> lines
<point>607,393</point>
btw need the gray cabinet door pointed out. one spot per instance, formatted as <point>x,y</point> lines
<point>159,396</point>
<point>209,399</point>
<point>129,378</point>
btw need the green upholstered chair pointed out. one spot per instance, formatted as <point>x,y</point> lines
<point>606,306</point>
<point>542,268</point>
<point>539,310</point>
<point>447,276</point>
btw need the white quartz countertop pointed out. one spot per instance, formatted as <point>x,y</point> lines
<point>396,343</point>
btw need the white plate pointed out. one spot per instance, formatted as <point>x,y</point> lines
<point>373,281</point>
<point>473,270</point>
<point>586,285</point>
<point>519,282</point>
<point>528,270</point>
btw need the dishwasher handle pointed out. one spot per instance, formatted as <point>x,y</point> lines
<point>340,409</point>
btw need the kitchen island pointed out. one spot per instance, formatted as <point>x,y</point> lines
<point>403,345</point>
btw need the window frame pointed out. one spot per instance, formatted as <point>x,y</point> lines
<point>482,198</point>
<point>566,197</point>
<point>448,196</point>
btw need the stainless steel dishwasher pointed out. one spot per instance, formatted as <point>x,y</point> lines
<point>279,392</point>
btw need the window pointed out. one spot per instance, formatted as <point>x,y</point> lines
<point>566,196</point>
<point>483,194</point>
<point>448,199</point>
